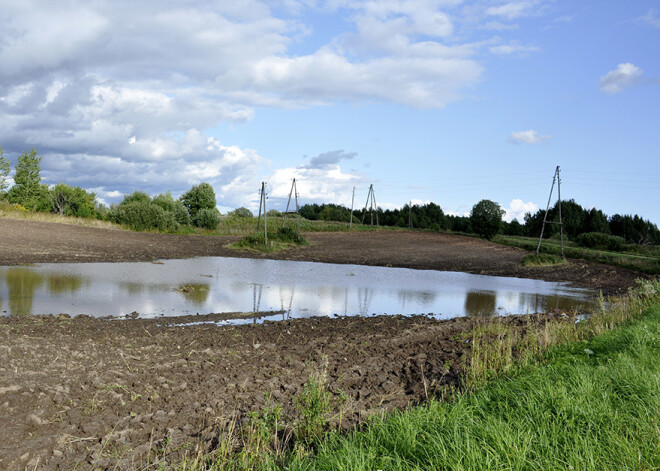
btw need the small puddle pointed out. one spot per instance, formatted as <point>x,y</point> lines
<point>287,289</point>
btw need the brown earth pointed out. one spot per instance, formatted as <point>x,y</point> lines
<point>110,394</point>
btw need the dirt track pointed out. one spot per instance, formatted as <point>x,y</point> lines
<point>105,394</point>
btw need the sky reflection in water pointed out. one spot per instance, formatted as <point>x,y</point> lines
<point>301,289</point>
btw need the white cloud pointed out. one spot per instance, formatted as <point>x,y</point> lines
<point>517,209</point>
<point>513,10</point>
<point>512,48</point>
<point>651,18</point>
<point>617,80</point>
<point>117,95</point>
<point>528,137</point>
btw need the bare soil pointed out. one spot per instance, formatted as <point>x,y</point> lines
<point>112,394</point>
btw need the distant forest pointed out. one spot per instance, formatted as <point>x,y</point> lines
<point>576,220</point>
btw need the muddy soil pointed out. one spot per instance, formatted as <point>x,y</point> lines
<point>40,242</point>
<point>112,394</point>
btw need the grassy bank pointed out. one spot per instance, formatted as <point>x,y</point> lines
<point>565,395</point>
<point>642,259</point>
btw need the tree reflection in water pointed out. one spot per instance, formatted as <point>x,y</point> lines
<point>480,303</point>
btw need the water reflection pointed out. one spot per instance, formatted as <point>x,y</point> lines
<point>481,303</point>
<point>196,293</point>
<point>289,289</point>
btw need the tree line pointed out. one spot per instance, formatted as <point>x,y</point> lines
<point>139,211</point>
<point>197,207</point>
<point>485,220</point>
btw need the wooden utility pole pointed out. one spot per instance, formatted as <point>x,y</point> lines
<point>350,226</point>
<point>410,215</point>
<point>555,178</point>
<point>262,203</point>
<point>371,202</point>
<point>294,193</point>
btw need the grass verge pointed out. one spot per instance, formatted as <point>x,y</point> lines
<point>645,263</point>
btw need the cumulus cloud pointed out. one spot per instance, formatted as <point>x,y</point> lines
<point>118,95</point>
<point>517,209</point>
<point>528,137</point>
<point>617,80</point>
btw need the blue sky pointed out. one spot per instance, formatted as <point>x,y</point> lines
<point>430,100</point>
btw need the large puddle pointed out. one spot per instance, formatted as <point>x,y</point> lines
<point>285,288</point>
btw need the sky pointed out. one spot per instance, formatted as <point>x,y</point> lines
<point>446,101</point>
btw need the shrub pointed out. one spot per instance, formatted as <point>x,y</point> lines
<point>207,218</point>
<point>165,201</point>
<point>241,213</point>
<point>197,198</point>
<point>142,216</point>
<point>600,241</point>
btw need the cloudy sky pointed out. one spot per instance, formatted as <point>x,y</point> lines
<point>430,100</point>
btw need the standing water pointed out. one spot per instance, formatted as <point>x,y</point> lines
<point>293,289</point>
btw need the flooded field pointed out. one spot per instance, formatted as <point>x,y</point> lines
<point>287,289</point>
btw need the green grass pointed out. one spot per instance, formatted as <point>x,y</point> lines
<point>284,238</point>
<point>594,405</point>
<point>542,260</point>
<point>642,259</point>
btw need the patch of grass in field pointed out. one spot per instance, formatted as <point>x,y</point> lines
<point>13,211</point>
<point>645,260</point>
<point>243,226</point>
<point>542,260</point>
<point>283,239</point>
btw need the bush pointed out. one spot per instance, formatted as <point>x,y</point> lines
<point>241,213</point>
<point>165,201</point>
<point>197,198</point>
<point>142,216</point>
<point>599,241</point>
<point>207,218</point>
<point>289,234</point>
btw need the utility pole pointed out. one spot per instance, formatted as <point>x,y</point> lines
<point>261,199</point>
<point>371,202</point>
<point>410,215</point>
<point>555,178</point>
<point>350,226</point>
<point>262,203</point>
<point>294,193</point>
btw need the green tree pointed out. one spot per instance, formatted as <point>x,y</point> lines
<point>241,212</point>
<point>486,218</point>
<point>72,201</point>
<point>197,198</point>
<point>4,172</point>
<point>28,190</point>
